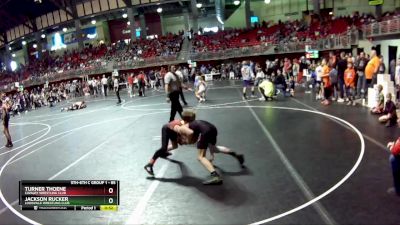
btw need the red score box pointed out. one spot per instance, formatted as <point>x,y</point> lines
<point>83,191</point>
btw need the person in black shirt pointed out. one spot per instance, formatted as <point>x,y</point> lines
<point>341,67</point>
<point>389,113</point>
<point>280,82</point>
<point>205,134</point>
<point>361,63</point>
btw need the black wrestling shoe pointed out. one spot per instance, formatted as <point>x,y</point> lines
<point>149,169</point>
<point>165,155</point>
<point>240,158</point>
<point>9,145</point>
<point>216,179</point>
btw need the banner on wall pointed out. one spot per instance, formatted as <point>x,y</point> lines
<point>71,37</point>
<point>375,2</point>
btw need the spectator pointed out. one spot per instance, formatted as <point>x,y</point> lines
<point>142,82</point>
<point>394,158</point>
<point>266,89</point>
<point>361,63</point>
<point>104,84</point>
<point>131,86</point>
<point>390,116</point>
<point>371,70</point>
<point>382,67</point>
<point>320,89</point>
<point>341,67</point>
<point>392,69</point>
<point>380,104</point>
<point>152,78</point>
<point>280,83</point>
<point>332,60</point>
<point>326,82</point>
<point>350,81</point>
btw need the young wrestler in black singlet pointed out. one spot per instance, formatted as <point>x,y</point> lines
<point>5,115</point>
<point>167,134</point>
<point>206,135</point>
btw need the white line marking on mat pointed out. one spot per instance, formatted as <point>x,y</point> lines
<point>331,189</point>
<point>33,141</point>
<point>365,136</point>
<point>137,216</point>
<point>78,160</point>
<point>295,175</point>
<point>7,204</point>
<point>26,137</point>
<point>61,171</point>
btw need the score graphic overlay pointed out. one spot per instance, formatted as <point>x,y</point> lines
<point>75,195</point>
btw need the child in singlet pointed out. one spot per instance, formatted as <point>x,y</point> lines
<point>75,106</point>
<point>205,134</point>
<point>5,115</point>
<point>201,90</point>
<point>167,134</point>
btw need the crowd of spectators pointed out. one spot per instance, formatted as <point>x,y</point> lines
<point>280,33</point>
<point>285,34</point>
<point>93,57</point>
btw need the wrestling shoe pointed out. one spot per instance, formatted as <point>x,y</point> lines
<point>240,158</point>
<point>165,155</point>
<point>392,191</point>
<point>9,145</point>
<point>213,180</point>
<point>149,169</point>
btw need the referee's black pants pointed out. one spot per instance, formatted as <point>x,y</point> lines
<point>182,96</point>
<point>117,93</point>
<point>175,104</point>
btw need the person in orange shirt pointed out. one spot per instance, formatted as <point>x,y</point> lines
<point>326,81</point>
<point>350,82</point>
<point>372,69</point>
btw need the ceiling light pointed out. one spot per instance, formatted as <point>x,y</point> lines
<point>267,1</point>
<point>199,5</point>
<point>159,9</point>
<point>13,65</point>
<point>65,29</point>
<point>34,45</point>
<point>129,22</point>
<point>23,42</point>
<point>43,36</point>
<point>236,2</point>
<point>93,22</point>
<point>124,15</point>
<point>13,55</point>
<point>331,13</point>
<point>9,48</point>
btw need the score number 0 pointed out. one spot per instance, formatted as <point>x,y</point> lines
<point>110,191</point>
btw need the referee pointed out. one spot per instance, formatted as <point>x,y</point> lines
<point>173,86</point>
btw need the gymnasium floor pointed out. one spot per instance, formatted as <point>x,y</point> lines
<point>302,166</point>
